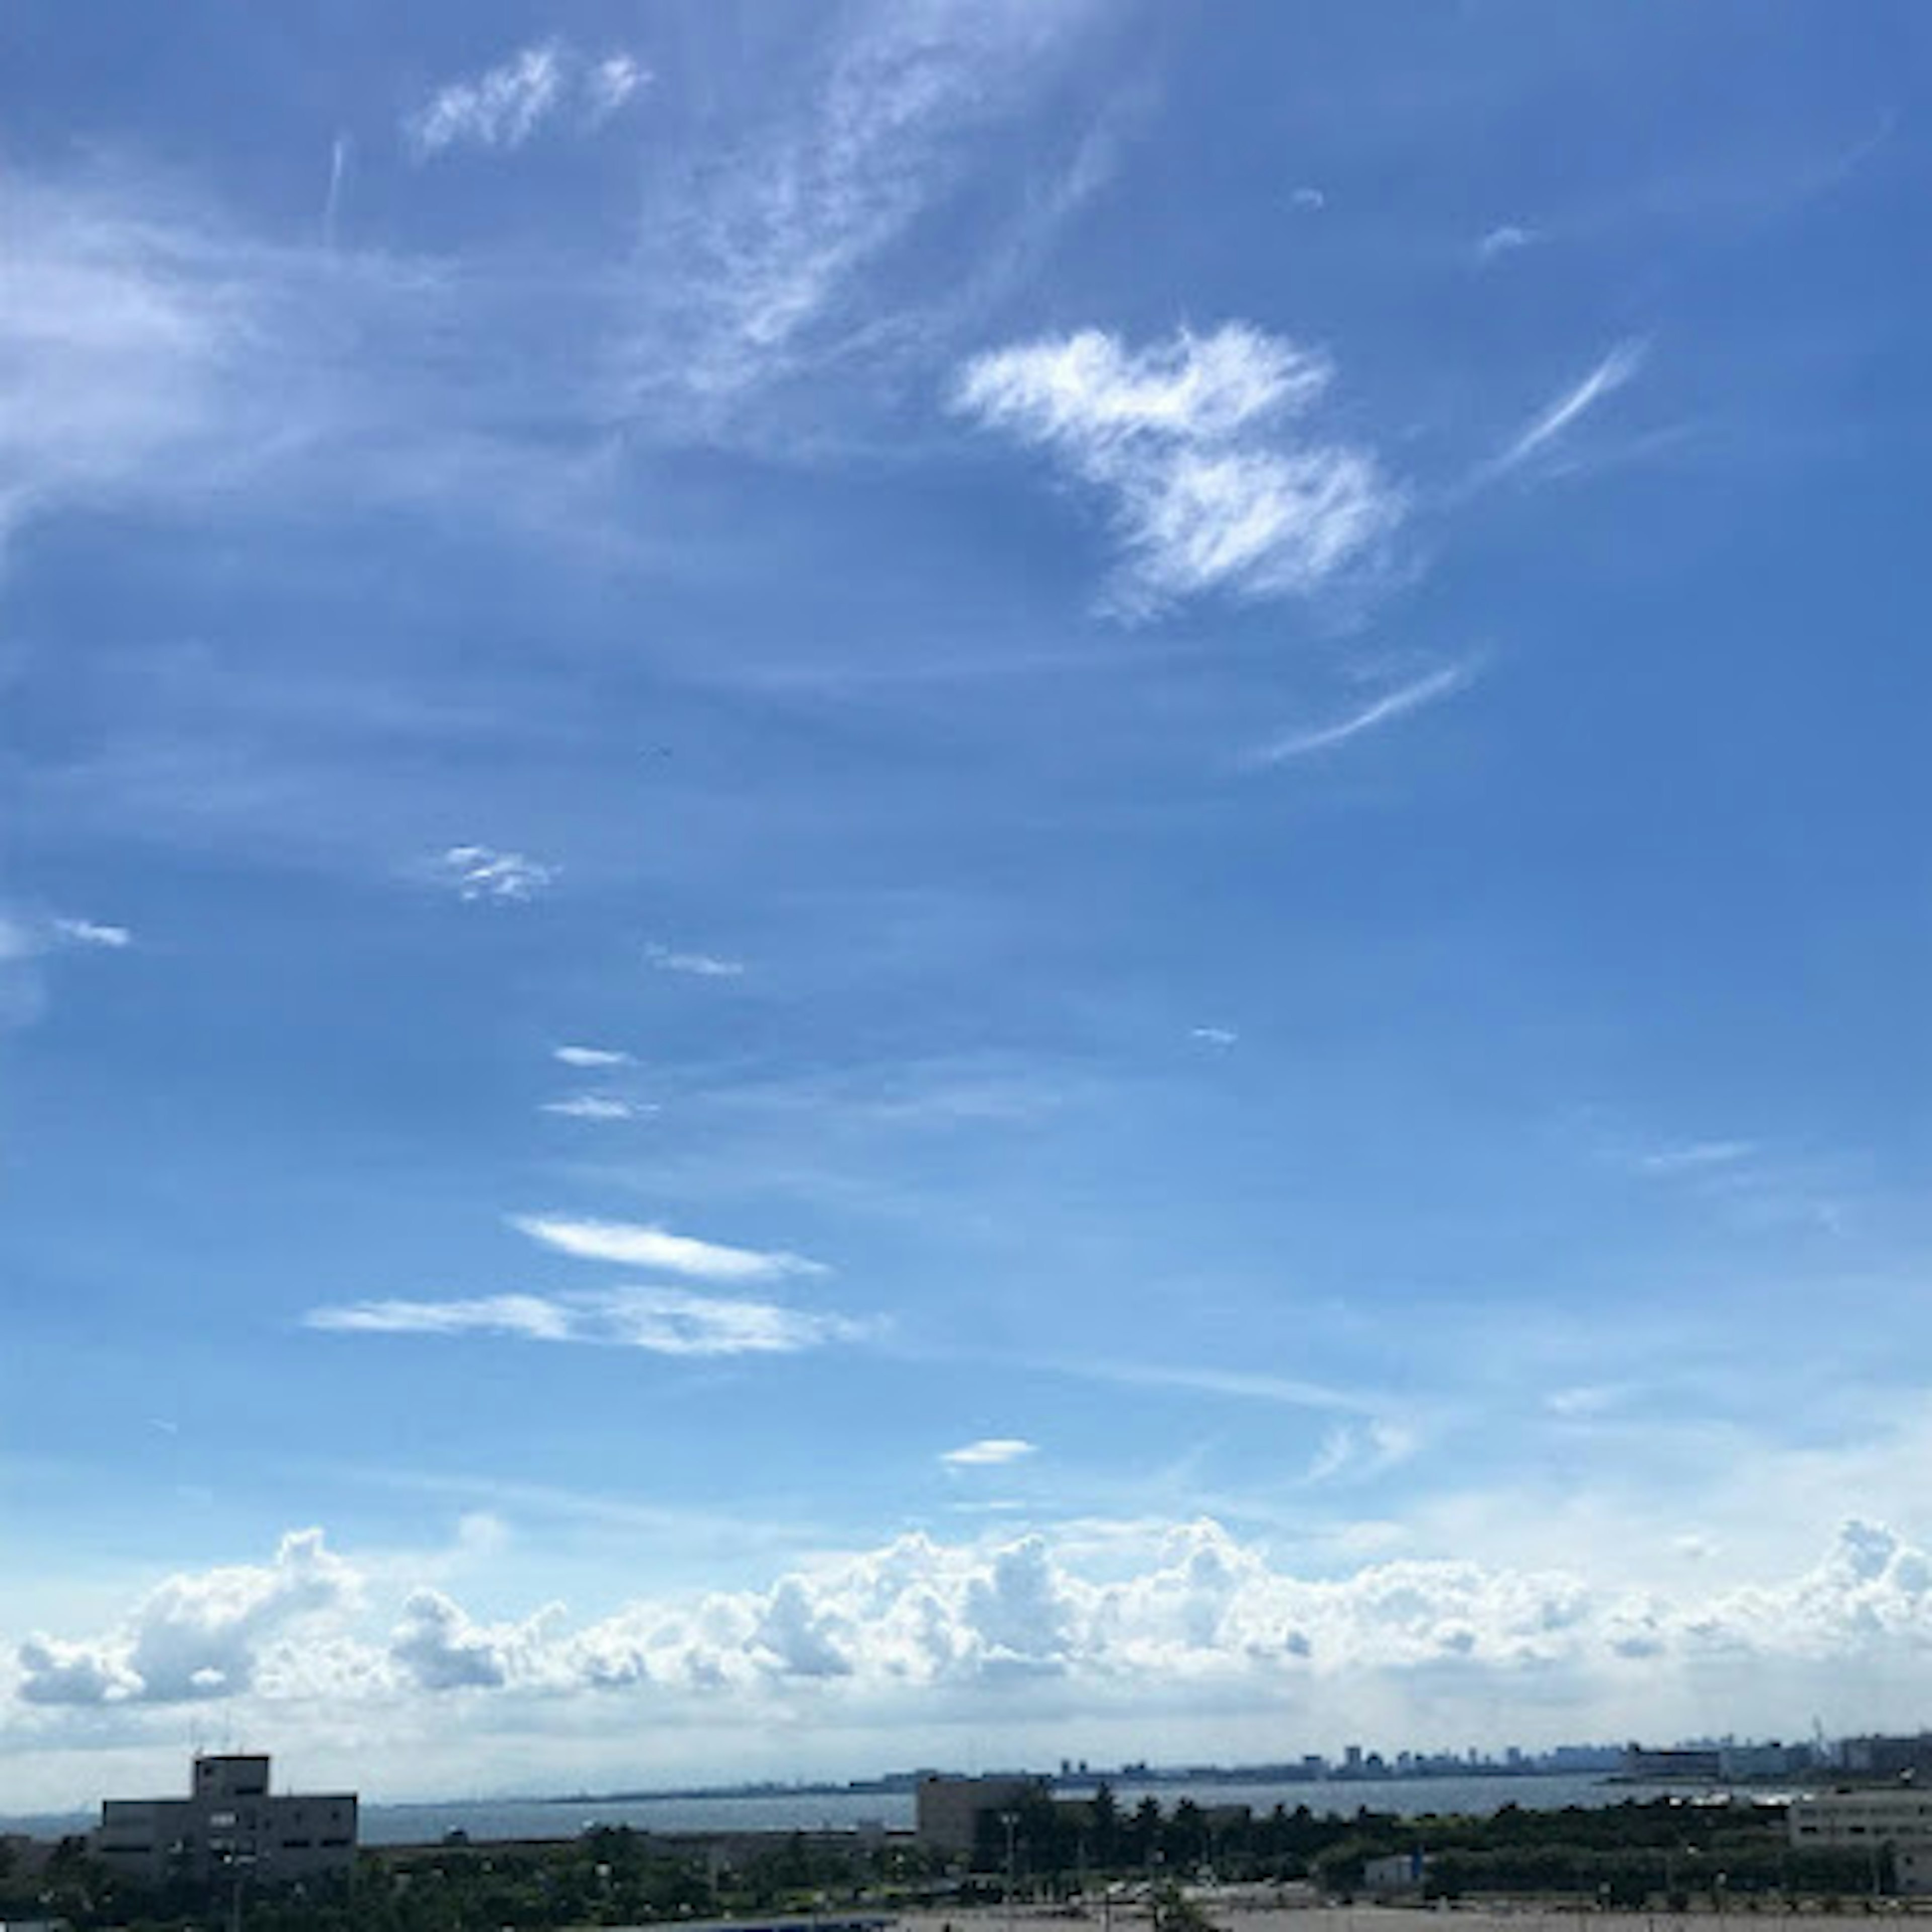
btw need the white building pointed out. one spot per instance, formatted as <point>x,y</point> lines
<point>1898,1818</point>
<point>230,1823</point>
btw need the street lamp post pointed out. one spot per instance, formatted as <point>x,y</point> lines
<point>1011,1819</point>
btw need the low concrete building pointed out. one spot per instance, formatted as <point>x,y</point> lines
<point>1400,1871</point>
<point>949,1809</point>
<point>230,1823</point>
<point>1897,1820</point>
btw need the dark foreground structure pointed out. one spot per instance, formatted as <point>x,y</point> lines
<point>230,1826</point>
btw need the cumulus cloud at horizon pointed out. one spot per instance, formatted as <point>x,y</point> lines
<point>1152,1620</point>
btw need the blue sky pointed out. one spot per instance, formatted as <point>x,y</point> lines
<point>926,883</point>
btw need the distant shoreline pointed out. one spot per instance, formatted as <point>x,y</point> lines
<point>1136,1779</point>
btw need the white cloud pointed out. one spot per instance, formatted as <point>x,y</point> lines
<point>989,1452</point>
<point>115,337</point>
<point>155,356</point>
<point>1584,1401</point>
<point>26,939</point>
<point>661,1321</point>
<point>590,1057</point>
<point>529,1317</point>
<point>340,150</point>
<point>699,965</point>
<point>501,108</point>
<point>1359,1451</point>
<point>1213,1036</point>
<point>1605,380</point>
<point>1505,240</point>
<point>1308,200</point>
<point>1153,1622</point>
<point>634,1244</point>
<point>1189,442</point>
<point>763,263</point>
<point>1696,1156</point>
<point>438,1646</point>
<point>90,932</point>
<point>1430,689</point>
<point>597,1107</point>
<point>1247,1384</point>
<point>477,872</point>
<point>1756,1185</point>
<point>610,83</point>
<point>55,1672</point>
<point>671,1322</point>
<point>197,1635</point>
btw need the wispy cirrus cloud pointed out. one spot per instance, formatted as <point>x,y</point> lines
<point>698,965</point>
<point>120,332</point>
<point>1505,239</point>
<point>341,152</point>
<point>610,83</point>
<point>90,932</point>
<point>1245,1385</point>
<point>1610,375</point>
<point>590,1058</point>
<point>27,939</point>
<point>597,1107</point>
<point>1411,697</point>
<point>480,872</point>
<point>659,1320</point>
<point>1191,443</point>
<point>1356,1451</point>
<point>1755,1183</point>
<point>502,107</point>
<point>761,267</point>
<point>25,936</point>
<point>1213,1036</point>
<point>157,355</point>
<point>635,1244</point>
<point>989,1452</point>
<point>1696,1156</point>
<point>533,1317</point>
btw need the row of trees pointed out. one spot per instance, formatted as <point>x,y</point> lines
<point>607,1876</point>
<point>1624,1853</point>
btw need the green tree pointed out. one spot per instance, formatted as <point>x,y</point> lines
<point>1174,1911</point>
<point>1185,1838</point>
<point>1103,1823</point>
